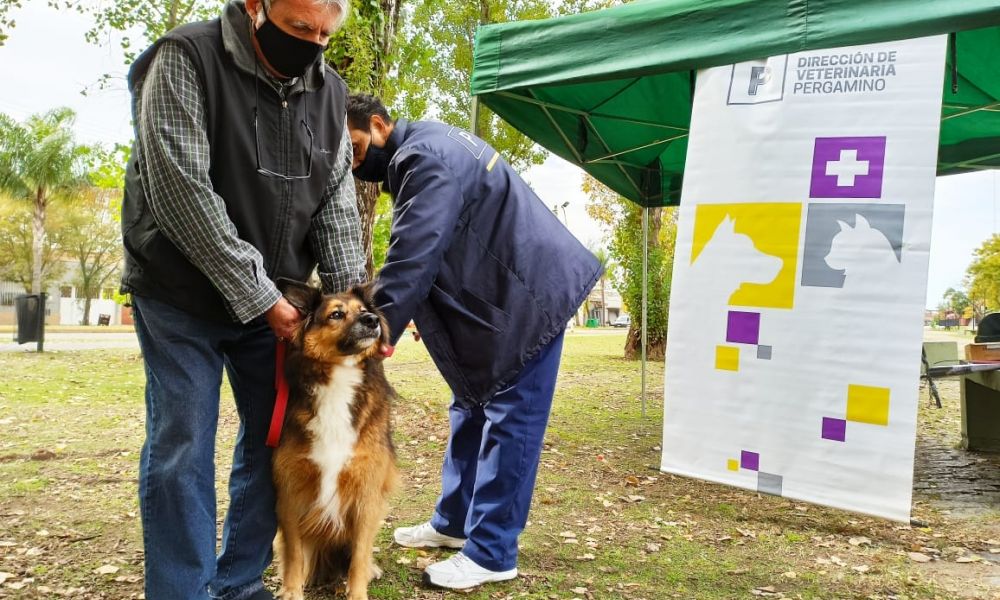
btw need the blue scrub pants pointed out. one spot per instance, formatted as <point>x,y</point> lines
<point>491,462</point>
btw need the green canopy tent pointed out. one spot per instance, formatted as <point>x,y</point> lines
<point>611,90</point>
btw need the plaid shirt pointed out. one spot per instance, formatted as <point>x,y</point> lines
<point>175,159</point>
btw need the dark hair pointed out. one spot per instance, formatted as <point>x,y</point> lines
<point>361,107</point>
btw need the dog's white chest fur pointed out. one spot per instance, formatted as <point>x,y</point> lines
<point>333,434</point>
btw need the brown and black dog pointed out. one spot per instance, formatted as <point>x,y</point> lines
<point>335,465</point>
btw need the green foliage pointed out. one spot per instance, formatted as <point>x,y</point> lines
<point>108,174</point>
<point>16,244</point>
<point>41,161</point>
<point>366,50</point>
<point>150,19</point>
<point>956,301</point>
<point>442,33</point>
<point>6,20</point>
<point>92,239</point>
<point>380,235</point>
<point>41,154</point>
<point>983,274</point>
<point>622,221</point>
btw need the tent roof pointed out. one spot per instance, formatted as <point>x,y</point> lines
<point>610,90</point>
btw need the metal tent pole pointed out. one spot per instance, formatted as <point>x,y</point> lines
<point>645,303</point>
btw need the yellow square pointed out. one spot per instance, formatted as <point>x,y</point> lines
<point>727,358</point>
<point>867,404</point>
<point>733,464</point>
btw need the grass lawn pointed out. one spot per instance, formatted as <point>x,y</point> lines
<point>604,524</point>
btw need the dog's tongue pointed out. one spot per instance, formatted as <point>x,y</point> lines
<point>387,350</point>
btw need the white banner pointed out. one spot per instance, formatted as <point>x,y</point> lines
<point>797,307</point>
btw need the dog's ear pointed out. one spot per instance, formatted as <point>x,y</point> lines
<point>302,296</point>
<point>366,292</point>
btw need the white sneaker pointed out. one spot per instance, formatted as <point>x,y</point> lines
<point>425,536</point>
<point>460,573</point>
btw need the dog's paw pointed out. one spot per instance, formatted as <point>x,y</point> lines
<point>361,594</point>
<point>376,570</point>
<point>287,594</point>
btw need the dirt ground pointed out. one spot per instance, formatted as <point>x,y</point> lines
<point>605,523</point>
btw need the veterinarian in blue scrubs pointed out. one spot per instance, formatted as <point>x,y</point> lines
<point>490,276</point>
<point>240,174</point>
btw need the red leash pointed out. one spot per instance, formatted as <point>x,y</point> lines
<point>280,399</point>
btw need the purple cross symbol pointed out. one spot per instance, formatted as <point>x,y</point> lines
<point>848,167</point>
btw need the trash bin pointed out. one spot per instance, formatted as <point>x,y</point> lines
<point>592,323</point>
<point>103,319</point>
<point>30,316</point>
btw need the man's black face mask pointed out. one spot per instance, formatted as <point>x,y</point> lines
<point>288,54</point>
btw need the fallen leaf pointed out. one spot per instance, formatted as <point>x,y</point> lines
<point>587,556</point>
<point>859,541</point>
<point>789,575</point>
<point>652,547</point>
<point>861,568</point>
<point>402,560</point>
<point>579,590</point>
<point>968,559</point>
<point>567,534</point>
<point>838,561</point>
<point>5,576</point>
<point>106,570</point>
<point>918,557</point>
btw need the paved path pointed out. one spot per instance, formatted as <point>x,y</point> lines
<point>74,341</point>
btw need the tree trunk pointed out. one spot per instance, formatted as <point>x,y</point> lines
<point>656,350</point>
<point>604,305</point>
<point>37,236</point>
<point>367,196</point>
<point>86,309</point>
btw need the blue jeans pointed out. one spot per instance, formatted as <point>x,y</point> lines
<point>490,465</point>
<point>184,357</point>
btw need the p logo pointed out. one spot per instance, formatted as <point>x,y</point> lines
<point>758,81</point>
<point>471,143</point>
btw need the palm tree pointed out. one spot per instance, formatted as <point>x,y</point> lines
<point>40,160</point>
<point>605,259</point>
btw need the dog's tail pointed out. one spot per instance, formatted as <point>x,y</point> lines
<point>330,564</point>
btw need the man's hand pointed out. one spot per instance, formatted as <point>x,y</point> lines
<point>283,319</point>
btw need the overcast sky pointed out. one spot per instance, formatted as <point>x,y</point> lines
<point>46,63</point>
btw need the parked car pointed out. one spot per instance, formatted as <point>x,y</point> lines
<point>622,321</point>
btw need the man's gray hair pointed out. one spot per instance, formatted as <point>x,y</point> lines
<point>343,5</point>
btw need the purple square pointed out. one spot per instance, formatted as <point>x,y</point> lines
<point>848,167</point>
<point>750,460</point>
<point>834,429</point>
<point>743,328</point>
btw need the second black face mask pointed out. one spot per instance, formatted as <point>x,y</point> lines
<point>288,54</point>
<point>375,165</point>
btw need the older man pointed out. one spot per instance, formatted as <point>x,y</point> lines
<point>240,174</point>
